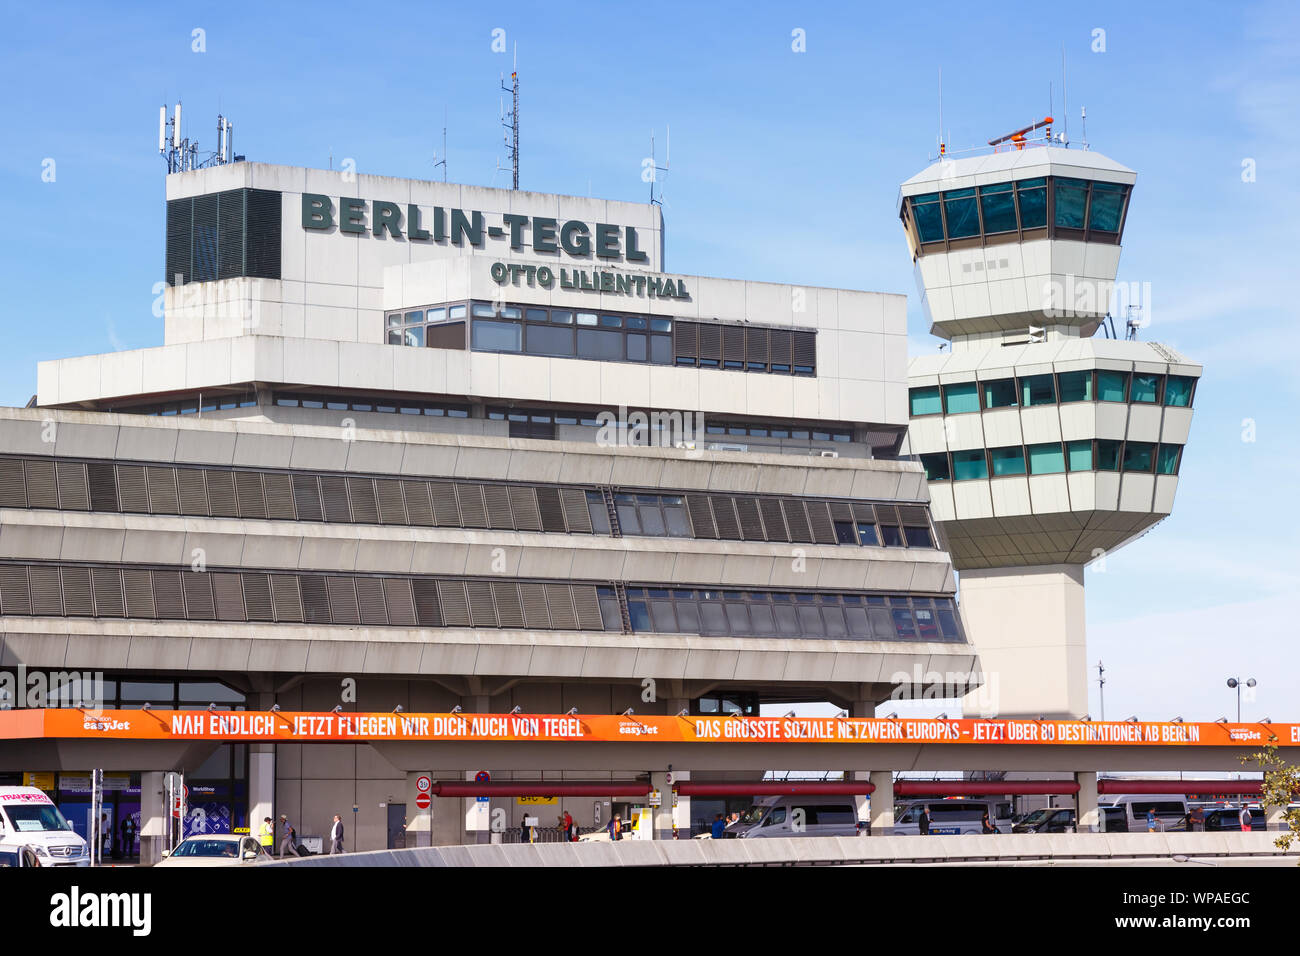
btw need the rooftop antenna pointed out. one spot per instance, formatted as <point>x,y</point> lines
<point>1083,115</point>
<point>942,146</point>
<point>1065,99</point>
<point>181,154</point>
<point>512,140</point>
<point>656,169</point>
<point>443,162</point>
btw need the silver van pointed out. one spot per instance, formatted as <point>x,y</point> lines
<point>798,816</point>
<point>953,816</point>
<point>1170,810</point>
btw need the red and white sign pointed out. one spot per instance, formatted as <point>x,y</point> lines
<point>422,801</point>
<point>423,784</point>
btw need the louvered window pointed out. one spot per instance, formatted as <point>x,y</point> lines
<point>343,601</point>
<point>13,484</point>
<point>279,496</point>
<point>161,482</point>
<point>552,512</point>
<point>137,585</point>
<point>576,515</point>
<point>446,511</point>
<point>199,605</point>
<point>361,493</point>
<point>221,494</point>
<point>370,601</point>
<point>510,611</point>
<point>248,490</point>
<point>47,591</point>
<point>306,498</point>
<point>560,599</point>
<point>315,599</point>
<point>78,600</point>
<point>257,596</point>
<point>73,492</point>
<point>428,609</point>
<point>523,505</point>
<point>107,585</point>
<point>392,509</point>
<point>41,490</point>
<point>168,599</point>
<point>334,493</point>
<point>419,511</point>
<point>286,597</point>
<point>399,602</point>
<point>472,510</point>
<point>228,596</point>
<point>192,491</point>
<point>497,500</point>
<point>697,506</point>
<point>14,597</point>
<point>454,606</point>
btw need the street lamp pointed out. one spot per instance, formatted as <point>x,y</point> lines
<point>1235,683</point>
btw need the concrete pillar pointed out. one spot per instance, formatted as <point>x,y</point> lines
<point>419,823</point>
<point>1087,816</point>
<point>1275,818</point>
<point>1033,658</point>
<point>882,803</point>
<point>662,814</point>
<point>682,810</point>
<point>153,820</point>
<point>261,786</point>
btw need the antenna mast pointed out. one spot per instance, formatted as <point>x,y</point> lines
<point>182,155</point>
<point>656,168</point>
<point>512,141</point>
<point>1065,97</point>
<point>443,162</point>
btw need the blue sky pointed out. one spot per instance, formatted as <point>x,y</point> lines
<point>784,167</point>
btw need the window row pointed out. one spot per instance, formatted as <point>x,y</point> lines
<point>366,403</point>
<point>185,595</point>
<point>656,422</point>
<point>1054,458</point>
<point>128,592</point>
<point>1088,385</point>
<point>1063,207</point>
<point>193,405</point>
<point>222,493</point>
<point>302,496</point>
<point>783,614</point>
<point>746,518</point>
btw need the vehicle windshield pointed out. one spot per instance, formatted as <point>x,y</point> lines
<point>194,847</point>
<point>1038,816</point>
<point>752,815</point>
<point>37,818</point>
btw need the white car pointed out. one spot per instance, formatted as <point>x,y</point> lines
<point>216,849</point>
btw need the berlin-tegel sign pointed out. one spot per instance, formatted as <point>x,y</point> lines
<point>284,726</point>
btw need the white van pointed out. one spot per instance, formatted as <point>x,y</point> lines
<point>1170,809</point>
<point>29,818</point>
<point>798,816</point>
<point>952,816</point>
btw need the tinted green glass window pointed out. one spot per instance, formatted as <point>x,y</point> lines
<point>1107,205</point>
<point>1145,388</point>
<point>1079,454</point>
<point>1107,455</point>
<point>963,217</point>
<point>1137,455</point>
<point>928,218</point>
<point>1076,386</point>
<point>1037,390</point>
<point>1178,390</point>
<point>1008,461</point>
<point>1112,386</point>
<point>1167,460</point>
<point>967,465</point>
<point>1000,394</point>
<point>1047,459</point>
<point>1032,196</point>
<point>962,397</point>
<point>998,203</point>
<point>936,467</point>
<point>1071,197</point>
<point>925,401</point>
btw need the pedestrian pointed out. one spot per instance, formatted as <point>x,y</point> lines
<point>1151,820</point>
<point>1196,819</point>
<point>615,828</point>
<point>105,834</point>
<point>523,830</point>
<point>567,822</point>
<point>719,827</point>
<point>923,821</point>
<point>128,835</point>
<point>987,825</point>
<point>336,835</point>
<point>266,835</point>
<point>1244,817</point>
<point>288,839</point>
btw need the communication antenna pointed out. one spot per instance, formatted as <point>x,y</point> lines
<point>656,169</point>
<point>942,146</point>
<point>1083,114</point>
<point>512,139</point>
<point>1101,687</point>
<point>182,154</point>
<point>442,162</point>
<point>1065,99</point>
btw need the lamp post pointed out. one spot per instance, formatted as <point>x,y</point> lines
<point>1235,683</point>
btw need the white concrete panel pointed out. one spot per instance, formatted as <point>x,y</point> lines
<point>1010,496</point>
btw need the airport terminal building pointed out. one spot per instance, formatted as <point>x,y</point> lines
<point>431,446</point>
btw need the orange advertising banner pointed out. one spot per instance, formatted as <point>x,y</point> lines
<point>286,727</point>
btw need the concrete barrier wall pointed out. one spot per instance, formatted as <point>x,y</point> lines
<point>823,850</point>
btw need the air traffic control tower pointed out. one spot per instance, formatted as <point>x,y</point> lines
<point>1047,442</point>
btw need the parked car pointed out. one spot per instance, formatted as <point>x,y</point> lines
<point>1047,820</point>
<point>1229,818</point>
<point>216,849</point>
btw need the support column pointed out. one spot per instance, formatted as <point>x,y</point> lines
<point>419,823</point>
<point>662,814</point>
<point>682,809</point>
<point>882,803</point>
<point>153,820</point>
<point>261,788</point>
<point>1087,816</point>
<point>1275,818</point>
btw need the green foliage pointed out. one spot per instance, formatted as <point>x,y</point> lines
<point>1281,783</point>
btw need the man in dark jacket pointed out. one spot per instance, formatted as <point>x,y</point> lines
<point>923,822</point>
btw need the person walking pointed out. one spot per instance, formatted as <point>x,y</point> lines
<point>266,836</point>
<point>128,835</point>
<point>567,821</point>
<point>719,828</point>
<point>923,821</point>
<point>1196,819</point>
<point>615,828</point>
<point>986,824</point>
<point>336,836</point>
<point>1151,820</point>
<point>523,830</point>
<point>1244,818</point>
<point>288,839</point>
